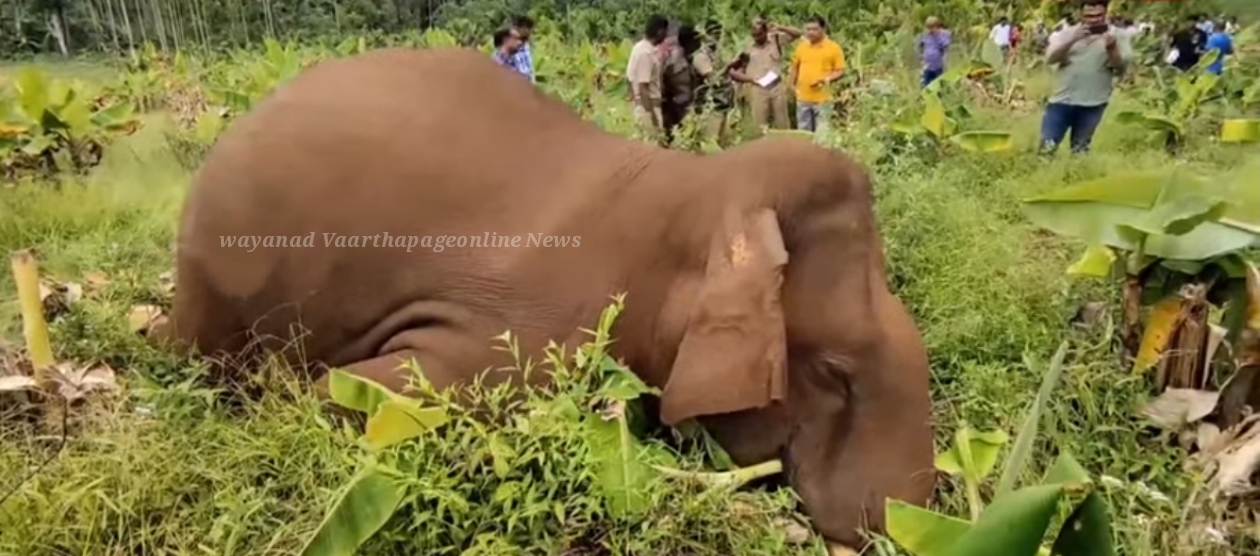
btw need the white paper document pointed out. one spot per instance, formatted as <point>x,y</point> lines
<point>768,80</point>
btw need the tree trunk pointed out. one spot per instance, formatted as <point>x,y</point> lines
<point>159,25</point>
<point>1131,319</point>
<point>1184,364</point>
<point>131,36</point>
<point>113,25</point>
<point>58,29</point>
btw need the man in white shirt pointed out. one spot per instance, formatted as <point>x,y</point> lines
<point>1205,24</point>
<point>1001,35</point>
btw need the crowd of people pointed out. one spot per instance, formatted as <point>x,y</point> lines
<point>675,70</point>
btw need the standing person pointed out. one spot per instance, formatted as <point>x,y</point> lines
<point>506,45</point>
<point>1221,42</point>
<point>1231,25</point>
<point>677,85</point>
<point>1067,21</point>
<point>1086,57</point>
<point>1000,34</point>
<point>1204,24</point>
<point>1128,29</point>
<point>817,63</point>
<point>1186,46</point>
<point>933,45</point>
<point>523,26</point>
<point>1017,36</point>
<point>715,94</point>
<point>643,71</point>
<point>766,93</point>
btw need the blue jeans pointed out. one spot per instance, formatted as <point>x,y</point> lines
<point>1081,120</point>
<point>807,115</point>
<point>930,75</point>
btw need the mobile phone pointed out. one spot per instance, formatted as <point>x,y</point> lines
<point>1099,28</point>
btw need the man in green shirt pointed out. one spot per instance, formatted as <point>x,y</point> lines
<point>1087,57</point>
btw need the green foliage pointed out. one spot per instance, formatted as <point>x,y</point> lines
<point>615,482</point>
<point>1016,521</point>
<point>1171,229</point>
<point>176,469</point>
<point>1175,107</point>
<point>1169,215</point>
<point>52,125</point>
<point>941,123</point>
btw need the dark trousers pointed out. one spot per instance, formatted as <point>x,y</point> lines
<point>1082,121</point>
<point>672,114</point>
<point>930,75</point>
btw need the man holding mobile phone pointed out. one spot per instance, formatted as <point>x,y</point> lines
<point>1087,58</point>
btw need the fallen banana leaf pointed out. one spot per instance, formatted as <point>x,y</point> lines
<point>1240,131</point>
<point>984,141</point>
<point>1097,262</point>
<point>358,512</point>
<point>1165,317</point>
<point>398,420</point>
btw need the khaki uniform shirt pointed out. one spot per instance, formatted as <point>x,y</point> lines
<point>764,59</point>
<point>644,68</point>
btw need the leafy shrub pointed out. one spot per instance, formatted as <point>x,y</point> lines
<point>561,472</point>
<point>54,126</point>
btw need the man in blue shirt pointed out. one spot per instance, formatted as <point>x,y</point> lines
<point>1220,41</point>
<point>932,47</point>
<point>523,26</point>
<point>506,47</point>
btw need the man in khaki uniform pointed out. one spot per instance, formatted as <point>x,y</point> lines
<point>643,71</point>
<point>715,95</point>
<point>768,104</point>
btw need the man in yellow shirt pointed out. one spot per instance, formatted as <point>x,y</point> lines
<point>817,62</point>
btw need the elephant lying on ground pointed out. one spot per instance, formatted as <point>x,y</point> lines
<point>756,295</point>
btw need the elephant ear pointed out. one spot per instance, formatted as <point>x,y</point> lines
<point>733,355</point>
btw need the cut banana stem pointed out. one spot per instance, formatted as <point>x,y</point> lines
<point>727,479</point>
<point>34,327</point>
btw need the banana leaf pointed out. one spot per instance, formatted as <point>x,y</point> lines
<point>1121,211</point>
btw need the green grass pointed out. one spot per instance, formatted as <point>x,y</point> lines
<point>191,474</point>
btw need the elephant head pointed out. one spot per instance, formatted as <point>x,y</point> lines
<point>795,348</point>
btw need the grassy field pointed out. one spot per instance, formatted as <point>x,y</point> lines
<point>171,468</point>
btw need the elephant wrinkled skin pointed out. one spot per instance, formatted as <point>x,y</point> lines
<point>756,295</point>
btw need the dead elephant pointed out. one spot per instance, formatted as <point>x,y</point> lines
<point>756,294</point>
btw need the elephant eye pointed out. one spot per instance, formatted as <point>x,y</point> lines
<point>831,371</point>
<point>835,364</point>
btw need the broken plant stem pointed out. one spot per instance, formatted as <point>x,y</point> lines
<point>974,503</point>
<point>34,327</point>
<point>729,479</point>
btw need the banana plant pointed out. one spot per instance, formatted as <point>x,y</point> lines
<point>1177,243</point>
<point>935,122</point>
<point>1244,88</point>
<point>1177,107</point>
<point>1015,522</point>
<point>42,120</point>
